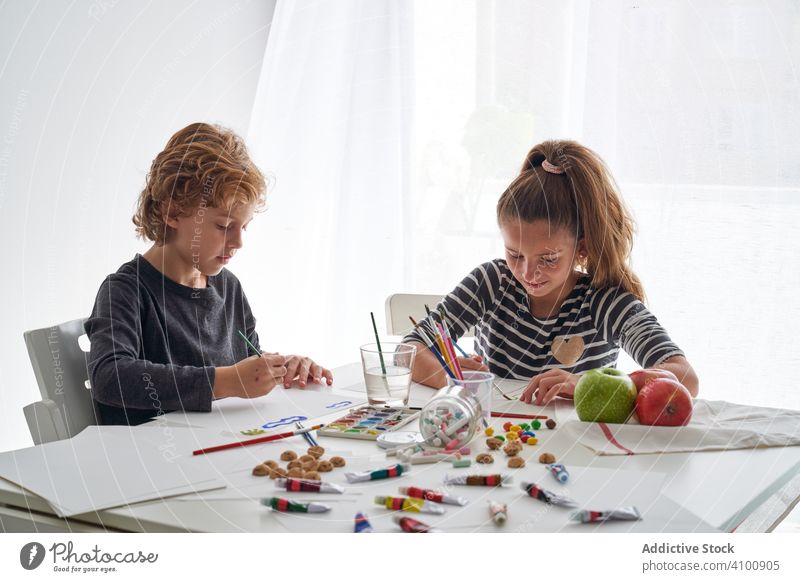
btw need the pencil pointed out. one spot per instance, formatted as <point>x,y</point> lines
<point>264,439</point>
<point>516,415</point>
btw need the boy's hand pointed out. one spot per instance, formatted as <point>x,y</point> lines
<point>304,370</point>
<point>250,378</point>
<point>545,387</point>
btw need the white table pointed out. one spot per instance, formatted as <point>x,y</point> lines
<point>700,492</point>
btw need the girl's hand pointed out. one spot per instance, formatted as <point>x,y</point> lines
<point>545,387</point>
<point>304,370</point>
<point>474,362</point>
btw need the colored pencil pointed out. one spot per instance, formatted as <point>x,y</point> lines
<point>378,342</point>
<point>264,439</point>
<point>516,415</point>
<point>431,347</point>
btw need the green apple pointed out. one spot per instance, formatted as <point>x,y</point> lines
<point>605,395</point>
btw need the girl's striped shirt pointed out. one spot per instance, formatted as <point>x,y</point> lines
<point>591,326</point>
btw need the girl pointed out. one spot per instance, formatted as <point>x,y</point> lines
<point>164,328</point>
<point>564,299</point>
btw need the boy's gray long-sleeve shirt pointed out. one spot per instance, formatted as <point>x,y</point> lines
<point>155,343</point>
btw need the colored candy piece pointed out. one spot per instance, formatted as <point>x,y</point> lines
<point>500,437</point>
<point>507,426</point>
<point>536,425</point>
<point>489,431</point>
<point>525,425</point>
<point>460,463</point>
<point>512,436</point>
<point>515,428</point>
<point>524,438</point>
<point>532,441</point>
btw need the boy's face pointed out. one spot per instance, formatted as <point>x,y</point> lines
<point>542,259</point>
<point>208,238</point>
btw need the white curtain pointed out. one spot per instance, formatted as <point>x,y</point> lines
<point>331,124</point>
<point>393,127</point>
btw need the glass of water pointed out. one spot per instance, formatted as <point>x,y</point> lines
<point>387,372</point>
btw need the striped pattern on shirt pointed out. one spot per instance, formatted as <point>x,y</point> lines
<point>591,326</point>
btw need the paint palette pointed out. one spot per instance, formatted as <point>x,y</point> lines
<point>369,422</point>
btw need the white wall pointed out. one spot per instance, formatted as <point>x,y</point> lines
<point>89,93</point>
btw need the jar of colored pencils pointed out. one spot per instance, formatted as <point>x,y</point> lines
<point>450,419</point>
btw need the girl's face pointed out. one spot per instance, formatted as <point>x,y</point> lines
<point>542,259</point>
<point>208,238</point>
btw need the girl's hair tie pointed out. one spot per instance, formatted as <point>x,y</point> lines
<point>548,167</point>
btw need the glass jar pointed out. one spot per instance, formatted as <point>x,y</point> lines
<point>450,419</point>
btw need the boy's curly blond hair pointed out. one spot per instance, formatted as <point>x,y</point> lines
<point>202,164</point>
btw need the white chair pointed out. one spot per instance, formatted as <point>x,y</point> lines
<point>400,305</point>
<point>59,358</point>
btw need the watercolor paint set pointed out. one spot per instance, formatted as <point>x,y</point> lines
<point>369,422</point>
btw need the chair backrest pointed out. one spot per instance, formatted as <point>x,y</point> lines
<point>59,358</point>
<point>400,305</point>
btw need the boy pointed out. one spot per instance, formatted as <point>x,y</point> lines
<point>164,328</point>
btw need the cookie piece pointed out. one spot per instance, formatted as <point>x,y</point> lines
<point>484,459</point>
<point>271,464</point>
<point>278,472</point>
<point>325,466</point>
<point>288,456</point>
<point>511,449</point>
<point>295,473</point>
<point>316,451</point>
<point>547,459</point>
<point>494,443</point>
<point>261,470</point>
<point>338,461</point>
<point>516,463</point>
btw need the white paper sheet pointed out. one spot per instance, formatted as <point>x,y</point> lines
<point>105,467</point>
<point>279,409</point>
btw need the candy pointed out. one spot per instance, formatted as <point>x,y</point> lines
<point>500,437</point>
<point>524,438</point>
<point>461,463</point>
<point>489,431</point>
<point>512,436</point>
<point>533,441</point>
<point>507,426</point>
<point>536,425</point>
<point>484,458</point>
<point>551,424</point>
<point>515,428</point>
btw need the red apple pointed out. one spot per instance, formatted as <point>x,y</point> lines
<point>664,402</point>
<point>642,377</point>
